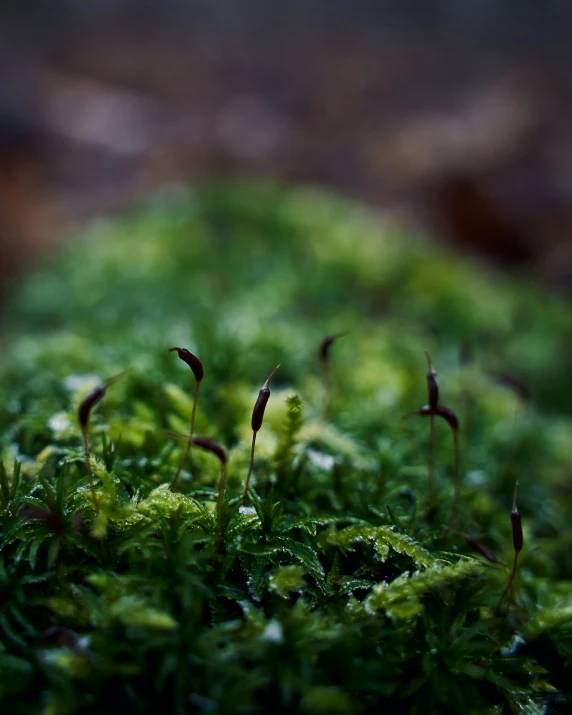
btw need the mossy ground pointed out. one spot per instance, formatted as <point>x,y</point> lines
<point>338,590</point>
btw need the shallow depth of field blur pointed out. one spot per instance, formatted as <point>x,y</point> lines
<point>456,115</point>
<point>245,179</point>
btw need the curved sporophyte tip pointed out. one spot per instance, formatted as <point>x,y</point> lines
<point>112,380</point>
<point>429,363</point>
<point>210,446</point>
<point>214,448</point>
<point>517,542</point>
<point>432,386</point>
<point>88,403</point>
<point>191,360</point>
<point>516,523</point>
<point>324,358</point>
<point>256,424</point>
<point>421,412</point>
<point>267,383</point>
<point>261,402</point>
<point>327,342</point>
<point>480,549</point>
<point>512,383</point>
<point>83,413</point>
<point>448,415</point>
<point>432,410</point>
<point>198,371</point>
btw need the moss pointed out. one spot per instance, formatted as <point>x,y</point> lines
<point>337,588</point>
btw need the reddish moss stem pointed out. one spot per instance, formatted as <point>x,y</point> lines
<point>432,462</point>
<point>190,440</point>
<point>457,487</point>
<point>88,469</point>
<point>517,542</point>
<point>220,508</point>
<point>245,495</point>
<point>509,586</point>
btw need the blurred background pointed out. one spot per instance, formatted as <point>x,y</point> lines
<point>454,114</point>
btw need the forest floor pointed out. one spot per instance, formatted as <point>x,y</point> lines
<point>461,126</point>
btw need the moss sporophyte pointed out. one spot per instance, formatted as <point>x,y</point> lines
<point>431,410</point>
<point>134,578</point>
<point>197,367</point>
<point>324,357</point>
<point>84,413</point>
<point>256,424</point>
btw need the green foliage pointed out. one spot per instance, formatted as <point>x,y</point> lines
<point>338,589</point>
<point>382,538</point>
<point>402,597</point>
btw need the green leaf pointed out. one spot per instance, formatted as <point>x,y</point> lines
<point>381,538</point>
<point>4,485</point>
<point>287,579</point>
<point>133,611</point>
<point>402,597</point>
<point>300,552</point>
<point>163,502</point>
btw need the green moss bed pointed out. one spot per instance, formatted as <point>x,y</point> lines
<point>341,587</point>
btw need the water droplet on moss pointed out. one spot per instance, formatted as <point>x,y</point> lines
<point>247,510</point>
<point>273,632</point>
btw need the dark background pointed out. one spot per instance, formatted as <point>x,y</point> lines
<point>455,114</point>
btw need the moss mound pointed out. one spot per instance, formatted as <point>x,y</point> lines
<point>339,587</point>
